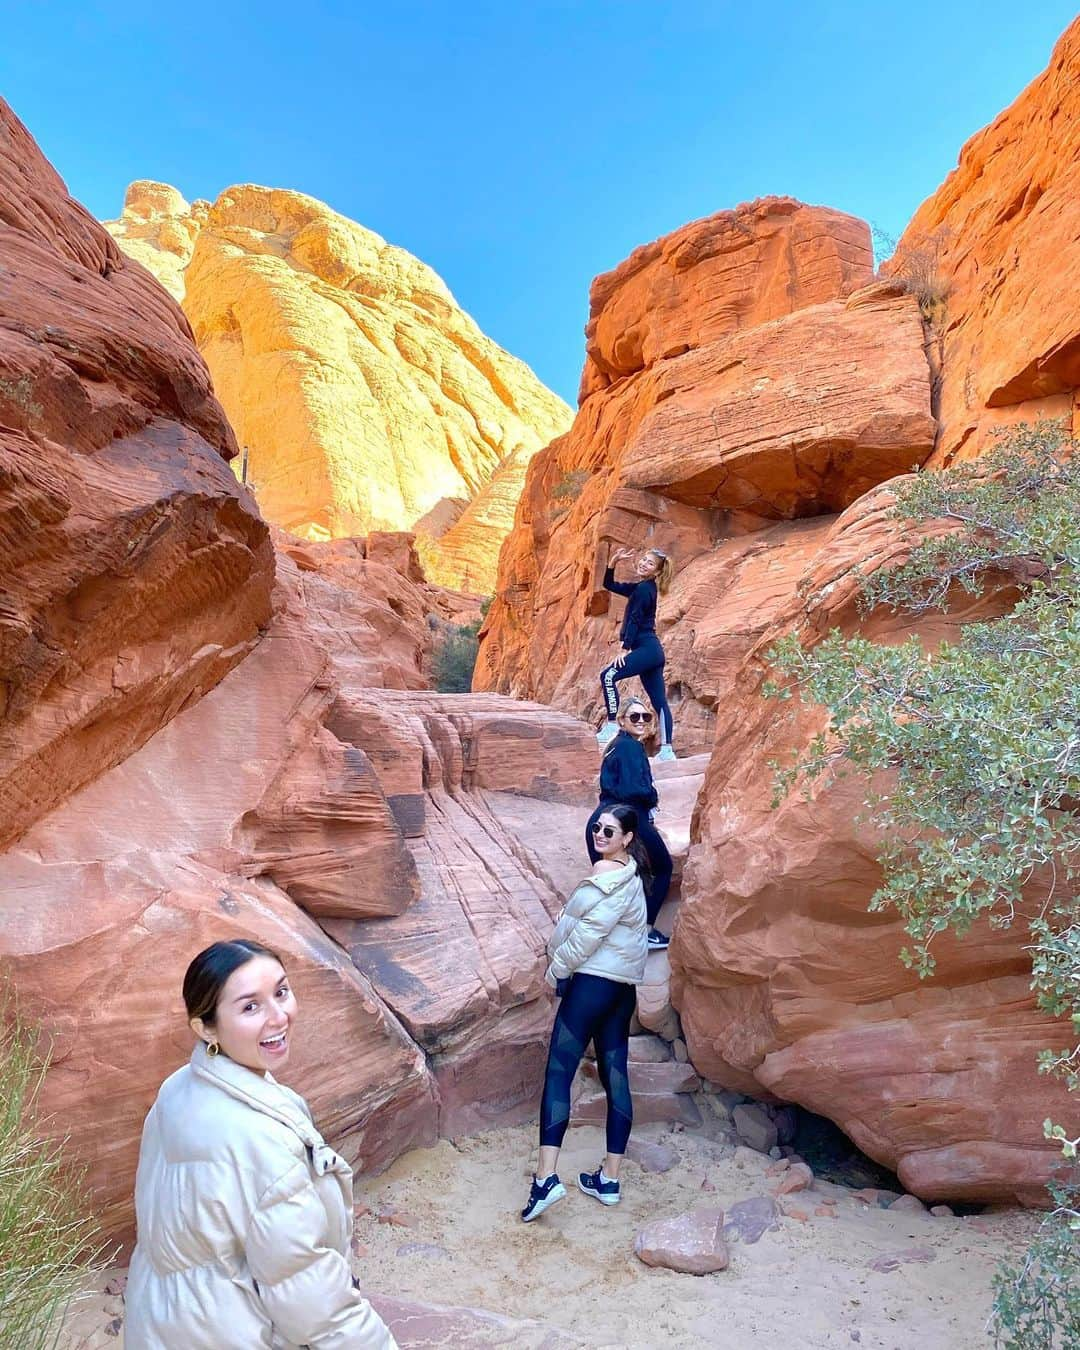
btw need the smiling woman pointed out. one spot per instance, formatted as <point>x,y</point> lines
<point>239,1003</point>
<point>244,1214</point>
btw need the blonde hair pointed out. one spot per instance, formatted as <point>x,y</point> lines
<point>664,572</point>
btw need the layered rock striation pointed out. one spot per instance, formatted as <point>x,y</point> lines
<point>136,570</point>
<point>412,920</point>
<point>994,256</point>
<point>743,371</point>
<point>367,399</point>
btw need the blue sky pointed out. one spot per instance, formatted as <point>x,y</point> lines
<point>520,148</point>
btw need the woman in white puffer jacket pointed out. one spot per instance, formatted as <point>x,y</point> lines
<point>598,952</point>
<point>244,1214</point>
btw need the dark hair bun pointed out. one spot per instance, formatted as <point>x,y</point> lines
<point>206,976</point>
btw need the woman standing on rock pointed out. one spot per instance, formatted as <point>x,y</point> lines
<point>625,776</point>
<point>244,1214</point>
<point>642,654</point>
<point>598,952</point>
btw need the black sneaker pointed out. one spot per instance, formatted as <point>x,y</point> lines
<point>657,940</point>
<point>596,1184</point>
<point>543,1195</point>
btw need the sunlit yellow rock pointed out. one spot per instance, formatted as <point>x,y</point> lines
<point>366,398</point>
<point>158,228</point>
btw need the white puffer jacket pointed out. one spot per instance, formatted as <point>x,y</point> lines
<point>603,929</point>
<point>244,1221</point>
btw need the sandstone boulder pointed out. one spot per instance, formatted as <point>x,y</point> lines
<point>730,271</point>
<point>137,572</point>
<point>749,1220</point>
<point>651,1156</point>
<point>754,1127</point>
<point>691,1243</point>
<point>784,982</point>
<point>796,417</point>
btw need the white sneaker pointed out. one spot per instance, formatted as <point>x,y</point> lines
<point>607,733</point>
<point>665,755</point>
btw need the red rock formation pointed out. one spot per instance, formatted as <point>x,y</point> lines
<point>369,602</point>
<point>716,276</point>
<point>136,571</point>
<point>780,392</point>
<point>997,244</point>
<point>787,985</point>
<point>784,981</point>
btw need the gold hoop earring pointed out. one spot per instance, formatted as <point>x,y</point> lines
<point>212,1048</point>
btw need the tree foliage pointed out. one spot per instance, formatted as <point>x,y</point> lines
<point>981,738</point>
<point>454,657</point>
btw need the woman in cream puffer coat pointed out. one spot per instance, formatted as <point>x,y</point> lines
<point>598,952</point>
<point>244,1213</point>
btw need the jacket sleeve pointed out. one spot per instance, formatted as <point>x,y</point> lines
<point>617,587</point>
<point>611,784</point>
<point>638,780</point>
<point>305,1286</point>
<point>590,929</point>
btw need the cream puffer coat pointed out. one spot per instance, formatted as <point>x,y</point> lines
<point>244,1222</point>
<point>603,929</point>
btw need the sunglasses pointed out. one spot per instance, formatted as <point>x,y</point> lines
<point>608,831</point>
<point>639,717</point>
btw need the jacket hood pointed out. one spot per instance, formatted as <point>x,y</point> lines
<point>611,881</point>
<point>265,1094</point>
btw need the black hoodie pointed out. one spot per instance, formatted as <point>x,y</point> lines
<point>625,775</point>
<point>639,617</point>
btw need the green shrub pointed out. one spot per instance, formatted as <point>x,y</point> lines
<point>454,657</point>
<point>1037,1303</point>
<point>47,1243</point>
<point>567,490</point>
<point>983,740</point>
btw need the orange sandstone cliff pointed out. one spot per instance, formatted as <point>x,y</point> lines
<point>997,248</point>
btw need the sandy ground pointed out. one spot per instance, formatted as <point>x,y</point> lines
<point>808,1284</point>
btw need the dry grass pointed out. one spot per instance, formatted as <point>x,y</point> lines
<point>48,1243</point>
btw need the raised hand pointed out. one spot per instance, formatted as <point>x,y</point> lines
<point>620,555</point>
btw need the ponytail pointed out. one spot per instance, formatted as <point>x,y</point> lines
<point>664,573</point>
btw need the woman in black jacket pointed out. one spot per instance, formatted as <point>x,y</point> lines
<point>626,778</point>
<point>642,654</point>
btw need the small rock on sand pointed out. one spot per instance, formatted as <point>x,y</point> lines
<point>691,1243</point>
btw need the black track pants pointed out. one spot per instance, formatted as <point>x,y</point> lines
<point>598,1010</point>
<point>646,661</point>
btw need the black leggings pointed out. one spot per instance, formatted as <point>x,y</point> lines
<point>647,663</point>
<point>659,858</point>
<point>598,1010</point>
